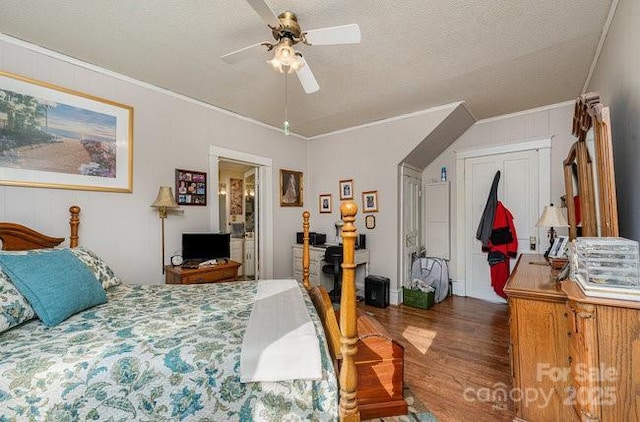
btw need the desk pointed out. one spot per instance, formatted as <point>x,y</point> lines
<point>316,261</point>
<point>208,274</point>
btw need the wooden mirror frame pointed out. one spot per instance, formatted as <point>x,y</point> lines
<point>590,113</point>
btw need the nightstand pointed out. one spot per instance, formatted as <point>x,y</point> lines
<point>208,274</point>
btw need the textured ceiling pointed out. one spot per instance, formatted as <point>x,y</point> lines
<point>499,56</point>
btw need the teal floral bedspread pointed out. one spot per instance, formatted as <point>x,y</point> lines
<point>152,353</point>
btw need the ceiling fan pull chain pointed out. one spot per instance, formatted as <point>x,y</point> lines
<point>286,103</point>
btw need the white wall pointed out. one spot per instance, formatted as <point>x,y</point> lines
<point>617,77</point>
<point>370,156</point>
<point>169,132</point>
<point>550,121</point>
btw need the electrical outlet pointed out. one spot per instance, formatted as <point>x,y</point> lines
<point>532,243</point>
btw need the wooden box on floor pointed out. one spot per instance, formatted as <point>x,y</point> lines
<point>380,364</point>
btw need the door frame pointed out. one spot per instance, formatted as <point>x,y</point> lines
<point>543,145</point>
<point>265,201</point>
<point>396,296</point>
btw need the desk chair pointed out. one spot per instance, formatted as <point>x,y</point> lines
<point>333,266</point>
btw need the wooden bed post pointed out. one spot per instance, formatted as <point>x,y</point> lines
<point>305,250</point>
<point>74,222</point>
<point>349,336</point>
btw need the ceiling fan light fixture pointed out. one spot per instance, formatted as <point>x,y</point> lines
<point>276,65</point>
<point>284,52</point>
<point>285,58</point>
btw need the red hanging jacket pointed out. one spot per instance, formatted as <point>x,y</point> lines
<point>504,240</point>
<point>503,236</point>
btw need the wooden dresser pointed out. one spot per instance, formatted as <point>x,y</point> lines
<point>539,342</point>
<point>227,271</point>
<point>605,356</point>
<point>577,357</point>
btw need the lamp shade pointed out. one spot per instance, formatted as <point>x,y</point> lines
<point>165,198</point>
<point>552,217</point>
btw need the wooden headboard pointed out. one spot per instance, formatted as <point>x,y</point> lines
<point>16,237</point>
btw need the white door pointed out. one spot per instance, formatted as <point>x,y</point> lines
<point>411,219</point>
<point>518,190</point>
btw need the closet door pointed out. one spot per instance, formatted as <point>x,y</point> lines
<point>518,190</point>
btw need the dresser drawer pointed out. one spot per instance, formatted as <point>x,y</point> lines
<point>218,273</point>
<point>314,256</point>
<point>224,274</point>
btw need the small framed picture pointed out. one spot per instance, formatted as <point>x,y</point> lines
<point>559,247</point>
<point>370,201</point>
<point>325,203</point>
<point>191,187</point>
<point>290,188</point>
<point>370,222</point>
<point>346,189</point>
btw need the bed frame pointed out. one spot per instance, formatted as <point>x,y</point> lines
<point>369,361</point>
<point>342,338</point>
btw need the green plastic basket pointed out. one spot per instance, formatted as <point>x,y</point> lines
<point>418,298</point>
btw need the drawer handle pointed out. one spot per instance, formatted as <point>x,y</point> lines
<point>570,359</point>
<point>200,280</point>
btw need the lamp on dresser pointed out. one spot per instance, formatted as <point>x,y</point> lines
<point>163,202</point>
<point>551,217</point>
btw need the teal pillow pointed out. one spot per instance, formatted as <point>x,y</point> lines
<point>54,281</point>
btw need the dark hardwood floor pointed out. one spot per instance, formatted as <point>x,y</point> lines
<point>456,356</point>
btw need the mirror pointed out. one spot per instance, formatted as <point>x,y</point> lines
<point>588,172</point>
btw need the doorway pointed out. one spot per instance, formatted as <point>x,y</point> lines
<point>243,185</point>
<point>238,194</point>
<point>411,220</point>
<point>524,189</point>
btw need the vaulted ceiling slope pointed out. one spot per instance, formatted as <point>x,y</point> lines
<point>499,56</point>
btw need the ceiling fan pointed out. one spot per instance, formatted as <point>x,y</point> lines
<point>287,32</point>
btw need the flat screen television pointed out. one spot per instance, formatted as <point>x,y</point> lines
<point>206,246</point>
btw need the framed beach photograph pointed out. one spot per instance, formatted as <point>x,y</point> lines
<point>370,201</point>
<point>53,137</point>
<point>325,203</point>
<point>346,189</point>
<point>290,188</point>
<point>191,187</point>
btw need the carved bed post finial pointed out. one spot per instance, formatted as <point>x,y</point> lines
<point>74,222</point>
<point>348,330</point>
<point>305,250</point>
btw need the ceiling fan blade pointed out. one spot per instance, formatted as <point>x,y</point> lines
<point>244,53</point>
<point>265,12</point>
<point>344,34</point>
<point>308,81</point>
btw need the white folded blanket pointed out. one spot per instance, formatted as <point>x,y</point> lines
<point>280,342</point>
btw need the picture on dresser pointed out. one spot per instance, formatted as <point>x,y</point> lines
<point>191,187</point>
<point>51,136</point>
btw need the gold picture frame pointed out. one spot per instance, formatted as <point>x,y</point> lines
<point>66,140</point>
<point>370,201</point>
<point>324,203</point>
<point>291,188</point>
<point>346,189</point>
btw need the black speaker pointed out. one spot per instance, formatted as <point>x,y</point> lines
<point>362,241</point>
<point>376,291</point>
